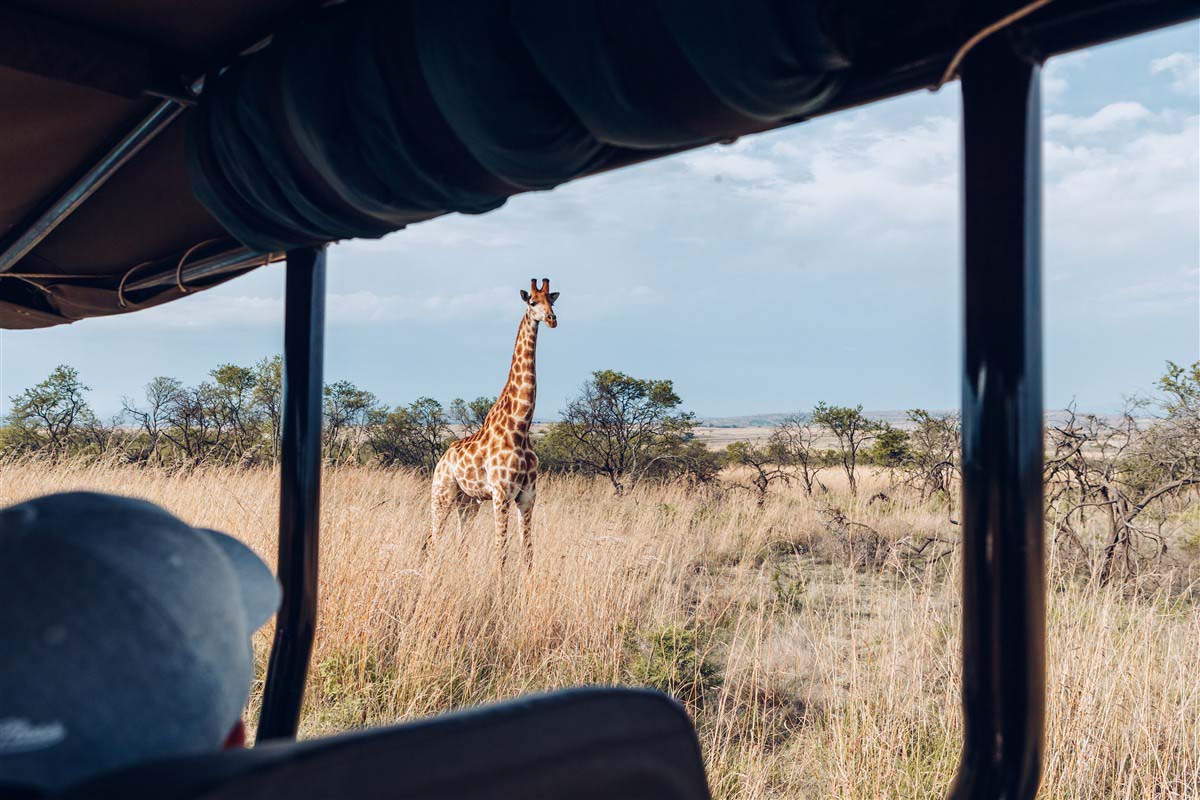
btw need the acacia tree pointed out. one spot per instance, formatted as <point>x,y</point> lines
<point>191,426</point>
<point>1115,469</point>
<point>430,429</point>
<point>764,467</point>
<point>348,411</point>
<point>412,436</point>
<point>851,429</point>
<point>1177,438</point>
<point>97,436</point>
<point>237,414</point>
<point>627,429</point>
<point>268,398</point>
<point>794,443</point>
<point>219,420</point>
<point>471,415</point>
<point>891,447</point>
<point>153,418</point>
<point>1085,477</point>
<point>933,463</point>
<point>52,413</point>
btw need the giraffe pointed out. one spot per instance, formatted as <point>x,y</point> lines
<point>497,461</point>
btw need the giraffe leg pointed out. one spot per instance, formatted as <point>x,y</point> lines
<point>442,498</point>
<point>467,508</point>
<point>460,514</point>
<point>500,505</point>
<point>525,502</point>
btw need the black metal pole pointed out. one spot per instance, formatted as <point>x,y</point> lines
<point>159,119</point>
<point>1003,642</point>
<point>299,493</point>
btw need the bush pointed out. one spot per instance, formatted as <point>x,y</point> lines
<point>52,415</point>
<point>471,415</point>
<point>673,661</point>
<point>852,429</point>
<point>627,430</point>
<point>890,449</point>
<point>415,436</point>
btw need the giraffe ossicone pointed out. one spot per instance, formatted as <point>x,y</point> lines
<point>497,462</point>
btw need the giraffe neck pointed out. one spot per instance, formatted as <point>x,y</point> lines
<point>517,399</point>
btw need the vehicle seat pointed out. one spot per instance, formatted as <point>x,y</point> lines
<point>582,744</point>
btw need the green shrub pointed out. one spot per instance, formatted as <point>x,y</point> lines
<point>673,660</point>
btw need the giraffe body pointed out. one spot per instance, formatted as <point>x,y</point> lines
<point>497,462</point>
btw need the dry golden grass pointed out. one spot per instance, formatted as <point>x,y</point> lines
<point>808,677</point>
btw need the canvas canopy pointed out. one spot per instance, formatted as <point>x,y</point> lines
<point>360,118</point>
<point>416,110</point>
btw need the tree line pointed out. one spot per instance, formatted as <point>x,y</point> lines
<point>627,430</point>
<point>925,455</point>
<point>1125,474</point>
<point>623,428</point>
<point>1112,481</point>
<point>234,417</point>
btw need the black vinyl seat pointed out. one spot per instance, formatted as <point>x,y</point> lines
<point>582,744</point>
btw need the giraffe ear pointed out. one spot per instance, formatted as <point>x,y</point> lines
<point>552,297</point>
<point>525,295</point>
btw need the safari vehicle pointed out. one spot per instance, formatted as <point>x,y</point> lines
<point>152,149</point>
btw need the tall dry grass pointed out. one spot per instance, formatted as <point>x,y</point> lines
<point>809,674</point>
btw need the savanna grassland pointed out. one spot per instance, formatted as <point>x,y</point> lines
<point>815,646</point>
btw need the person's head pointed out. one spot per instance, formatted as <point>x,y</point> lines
<point>124,636</point>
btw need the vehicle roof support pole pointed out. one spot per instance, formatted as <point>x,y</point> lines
<point>74,196</point>
<point>299,493</point>
<point>1003,626</point>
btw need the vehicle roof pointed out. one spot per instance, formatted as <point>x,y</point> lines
<point>78,75</point>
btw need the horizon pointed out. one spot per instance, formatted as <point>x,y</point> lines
<point>722,269</point>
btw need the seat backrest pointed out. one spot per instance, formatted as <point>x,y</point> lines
<point>583,744</point>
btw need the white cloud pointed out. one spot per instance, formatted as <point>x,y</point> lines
<point>1055,82</point>
<point>876,186</point>
<point>880,183</point>
<point>215,309</point>
<point>210,309</point>
<point>1054,85</point>
<point>1059,158</point>
<point>367,307</point>
<point>1184,69</point>
<point>1110,116</point>
<point>727,162</point>
<point>1117,205</point>
<point>641,294</point>
<point>454,230</point>
<point>594,305</point>
<point>1174,292</point>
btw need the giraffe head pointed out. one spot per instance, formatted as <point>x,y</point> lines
<point>540,302</point>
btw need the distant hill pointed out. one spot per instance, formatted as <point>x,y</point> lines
<point>897,419</point>
<point>718,432</point>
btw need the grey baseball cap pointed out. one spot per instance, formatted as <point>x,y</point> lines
<point>124,636</point>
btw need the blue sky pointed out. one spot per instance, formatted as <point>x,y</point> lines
<point>819,262</point>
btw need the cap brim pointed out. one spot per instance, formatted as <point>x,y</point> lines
<point>260,590</point>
